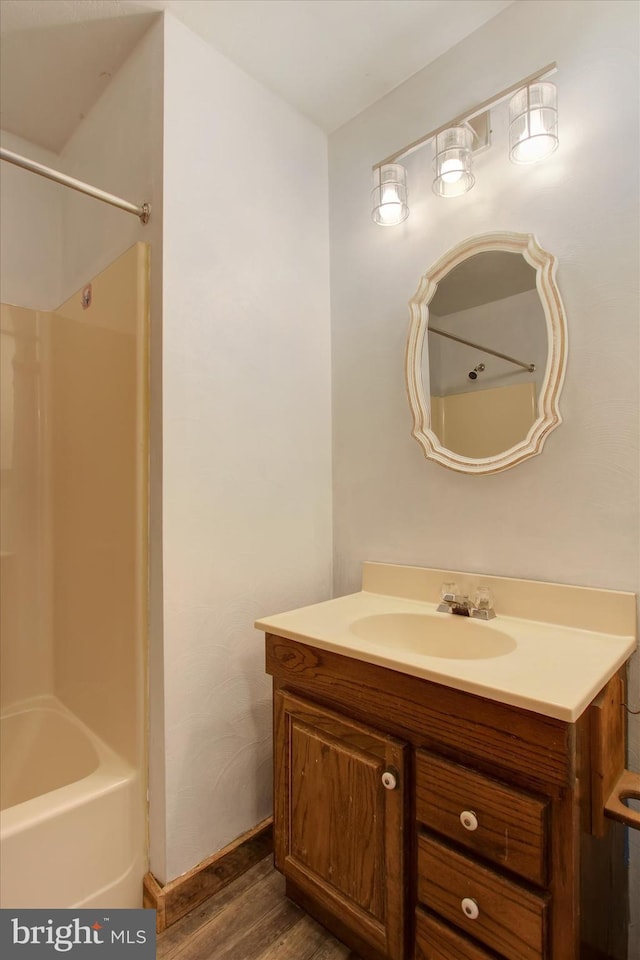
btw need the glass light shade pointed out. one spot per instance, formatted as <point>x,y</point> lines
<point>453,162</point>
<point>389,195</point>
<point>533,123</point>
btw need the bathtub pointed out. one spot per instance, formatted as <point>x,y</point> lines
<point>72,818</point>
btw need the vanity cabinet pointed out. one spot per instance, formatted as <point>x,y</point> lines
<point>472,850</point>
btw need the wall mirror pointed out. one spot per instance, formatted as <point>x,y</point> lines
<point>486,353</point>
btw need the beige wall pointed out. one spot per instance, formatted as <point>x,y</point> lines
<point>484,423</point>
<point>119,146</point>
<point>74,449</point>
<point>26,664</point>
<point>98,515</point>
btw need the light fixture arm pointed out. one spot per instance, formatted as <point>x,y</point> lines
<point>469,114</point>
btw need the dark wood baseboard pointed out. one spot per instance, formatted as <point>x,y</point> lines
<point>175,899</point>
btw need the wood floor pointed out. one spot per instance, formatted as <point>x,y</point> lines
<point>251,919</point>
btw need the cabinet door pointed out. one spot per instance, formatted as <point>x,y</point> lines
<point>339,832</point>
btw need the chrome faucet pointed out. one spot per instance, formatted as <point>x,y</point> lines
<point>462,606</point>
<point>455,603</point>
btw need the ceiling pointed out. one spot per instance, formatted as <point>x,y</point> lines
<point>483,278</point>
<point>329,58</point>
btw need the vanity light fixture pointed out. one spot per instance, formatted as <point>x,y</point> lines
<point>533,123</point>
<point>453,162</point>
<point>389,194</point>
<point>533,135</point>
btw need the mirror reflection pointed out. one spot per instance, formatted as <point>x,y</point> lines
<point>486,354</point>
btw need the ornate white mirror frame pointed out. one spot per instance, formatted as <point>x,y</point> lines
<point>548,417</point>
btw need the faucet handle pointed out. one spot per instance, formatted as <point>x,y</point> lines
<point>483,598</point>
<point>483,604</point>
<point>448,596</point>
<point>449,591</point>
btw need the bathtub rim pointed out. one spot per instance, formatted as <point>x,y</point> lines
<point>111,773</point>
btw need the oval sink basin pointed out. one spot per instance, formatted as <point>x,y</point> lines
<point>450,636</point>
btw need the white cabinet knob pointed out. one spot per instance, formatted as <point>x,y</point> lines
<point>470,908</point>
<point>389,780</point>
<point>469,820</point>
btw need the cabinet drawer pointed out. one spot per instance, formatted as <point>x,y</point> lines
<point>510,919</point>
<point>508,827</point>
<point>435,941</point>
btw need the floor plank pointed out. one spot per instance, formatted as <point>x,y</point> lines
<point>235,930</point>
<point>250,919</point>
<point>332,949</point>
<point>306,941</point>
<point>248,943</point>
<point>169,942</point>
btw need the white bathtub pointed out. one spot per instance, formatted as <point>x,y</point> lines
<point>71,824</point>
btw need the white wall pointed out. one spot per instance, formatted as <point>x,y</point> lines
<point>30,230</point>
<point>247,436</point>
<point>117,147</point>
<point>571,514</point>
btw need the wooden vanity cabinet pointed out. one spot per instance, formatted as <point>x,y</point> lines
<point>475,851</point>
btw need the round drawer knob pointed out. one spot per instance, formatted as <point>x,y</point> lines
<point>469,820</point>
<point>470,908</point>
<point>389,780</point>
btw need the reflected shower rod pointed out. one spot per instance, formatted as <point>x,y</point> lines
<point>142,211</point>
<point>494,353</point>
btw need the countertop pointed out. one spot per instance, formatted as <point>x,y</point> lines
<point>553,669</point>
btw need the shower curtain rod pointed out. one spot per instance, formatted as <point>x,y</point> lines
<point>494,353</point>
<point>143,211</point>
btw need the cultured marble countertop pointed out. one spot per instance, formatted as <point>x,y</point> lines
<point>551,668</point>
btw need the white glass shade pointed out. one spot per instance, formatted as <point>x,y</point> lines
<point>533,123</point>
<point>389,195</point>
<point>453,162</point>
